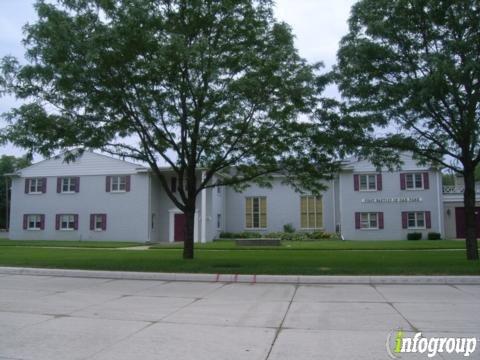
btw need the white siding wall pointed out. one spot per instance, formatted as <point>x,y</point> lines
<point>126,212</point>
<point>283,207</point>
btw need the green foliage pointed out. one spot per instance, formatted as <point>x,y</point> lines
<point>413,66</point>
<point>240,235</point>
<point>448,179</point>
<point>434,236</point>
<point>8,165</point>
<point>288,228</point>
<point>199,84</point>
<point>414,236</point>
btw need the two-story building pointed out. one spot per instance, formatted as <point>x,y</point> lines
<point>98,197</point>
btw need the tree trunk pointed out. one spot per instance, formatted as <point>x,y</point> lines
<point>470,217</point>
<point>189,233</point>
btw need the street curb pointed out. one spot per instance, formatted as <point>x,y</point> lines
<point>250,279</point>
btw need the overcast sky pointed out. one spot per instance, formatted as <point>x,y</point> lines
<point>317,24</point>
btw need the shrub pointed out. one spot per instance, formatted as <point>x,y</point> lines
<point>240,235</point>
<point>288,228</point>
<point>414,236</point>
<point>294,236</point>
<point>273,235</point>
<point>225,235</point>
<point>319,235</point>
<point>434,236</point>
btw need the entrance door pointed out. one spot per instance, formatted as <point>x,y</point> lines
<point>179,227</point>
<point>460,221</point>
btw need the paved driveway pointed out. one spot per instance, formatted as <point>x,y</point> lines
<point>50,318</point>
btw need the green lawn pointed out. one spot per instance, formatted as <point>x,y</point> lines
<point>327,262</point>
<point>330,245</point>
<point>67,243</point>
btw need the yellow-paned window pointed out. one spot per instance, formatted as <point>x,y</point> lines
<point>311,212</point>
<point>255,212</point>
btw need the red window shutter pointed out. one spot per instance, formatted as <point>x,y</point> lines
<point>42,222</point>
<point>428,219</point>
<point>77,184</point>
<point>379,182</point>
<point>57,222</point>
<point>104,222</point>
<point>27,186</point>
<point>356,182</point>
<point>25,221</point>
<point>380,220</point>
<point>92,221</point>
<point>426,182</point>
<point>44,185</point>
<point>75,222</point>
<point>404,219</point>
<point>403,185</point>
<point>173,184</point>
<point>127,183</point>
<point>107,183</point>
<point>357,220</point>
<point>59,185</point>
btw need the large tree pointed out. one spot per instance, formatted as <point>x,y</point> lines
<point>196,84</point>
<point>8,165</point>
<point>414,66</point>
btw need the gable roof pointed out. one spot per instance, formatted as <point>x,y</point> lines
<point>89,163</point>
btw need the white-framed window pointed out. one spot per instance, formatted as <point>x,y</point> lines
<point>369,220</point>
<point>98,222</point>
<point>416,220</point>
<point>35,185</point>
<point>219,221</point>
<point>311,212</point>
<point>414,181</point>
<point>367,182</point>
<point>34,222</point>
<point>67,222</point>
<point>68,185</point>
<point>256,212</point>
<point>118,183</point>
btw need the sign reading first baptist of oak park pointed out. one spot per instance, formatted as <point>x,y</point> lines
<point>393,200</point>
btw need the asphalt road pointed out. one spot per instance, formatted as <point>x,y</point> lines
<point>50,318</point>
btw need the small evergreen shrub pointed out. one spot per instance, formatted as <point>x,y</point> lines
<point>414,236</point>
<point>434,236</point>
<point>288,228</point>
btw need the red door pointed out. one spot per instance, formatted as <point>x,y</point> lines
<point>179,226</point>
<point>460,221</point>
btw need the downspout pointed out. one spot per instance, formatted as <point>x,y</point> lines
<point>203,231</point>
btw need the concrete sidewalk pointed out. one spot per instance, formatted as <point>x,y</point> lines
<point>245,278</point>
<point>73,318</point>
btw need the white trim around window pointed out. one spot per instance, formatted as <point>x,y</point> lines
<point>416,220</point>
<point>369,221</point>
<point>414,181</point>
<point>35,186</point>
<point>67,222</point>
<point>118,183</point>
<point>34,222</point>
<point>311,212</point>
<point>255,212</point>
<point>68,185</point>
<point>367,182</point>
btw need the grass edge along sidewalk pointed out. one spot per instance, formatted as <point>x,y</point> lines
<point>274,262</point>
